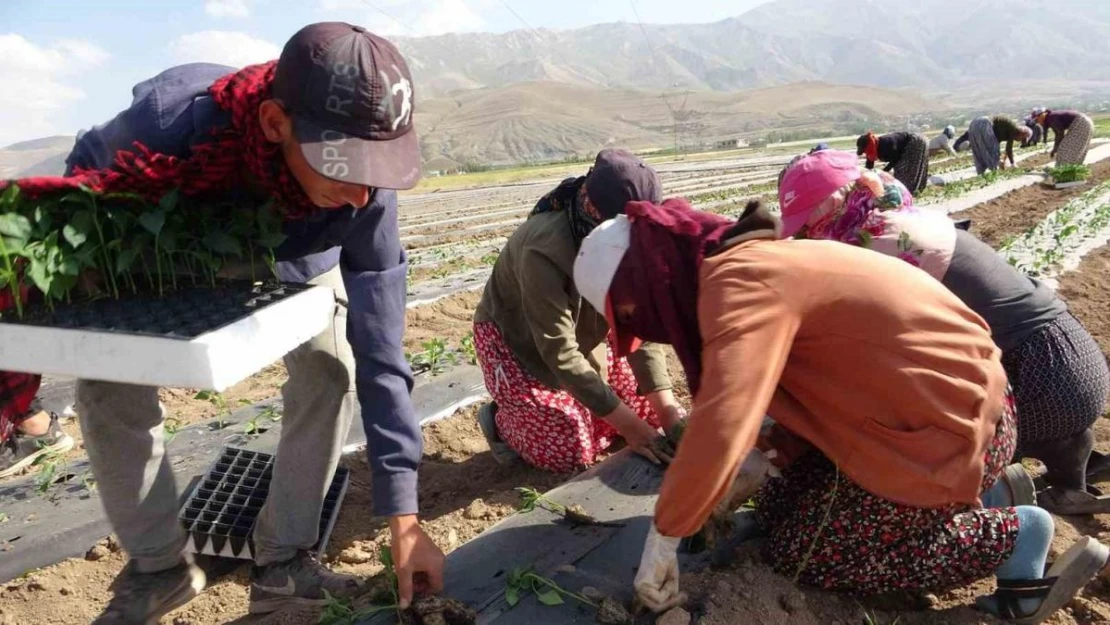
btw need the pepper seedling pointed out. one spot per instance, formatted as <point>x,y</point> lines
<point>525,580</point>
<point>530,499</point>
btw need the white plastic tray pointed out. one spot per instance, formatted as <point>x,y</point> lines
<point>212,361</point>
<point>1069,185</point>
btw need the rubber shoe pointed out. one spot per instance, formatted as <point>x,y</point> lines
<point>20,451</point>
<point>502,453</point>
<point>298,582</point>
<point>1022,490</point>
<point>144,598</point>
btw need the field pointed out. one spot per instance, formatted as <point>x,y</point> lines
<point>453,228</point>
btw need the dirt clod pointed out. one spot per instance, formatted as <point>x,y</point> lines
<point>476,510</point>
<point>112,543</point>
<point>674,616</point>
<point>612,612</point>
<point>37,584</point>
<point>97,552</point>
<point>432,610</point>
<point>793,602</point>
<point>355,555</point>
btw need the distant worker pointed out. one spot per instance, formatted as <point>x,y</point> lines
<point>963,142</point>
<point>905,153</point>
<point>943,142</point>
<point>1073,131</point>
<point>560,395</point>
<point>986,133</point>
<point>1031,123</point>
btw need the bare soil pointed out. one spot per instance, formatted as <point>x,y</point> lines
<point>450,318</point>
<point>463,491</point>
<point>1020,210</point>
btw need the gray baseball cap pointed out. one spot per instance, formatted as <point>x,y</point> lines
<point>350,95</point>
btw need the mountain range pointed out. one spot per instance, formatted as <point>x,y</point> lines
<point>935,45</point>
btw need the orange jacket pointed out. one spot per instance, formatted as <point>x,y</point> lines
<point>869,359</point>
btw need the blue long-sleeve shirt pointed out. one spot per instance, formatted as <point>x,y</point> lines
<point>172,112</point>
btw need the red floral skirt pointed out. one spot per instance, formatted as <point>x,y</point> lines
<point>17,390</point>
<point>828,532</point>
<point>546,426</point>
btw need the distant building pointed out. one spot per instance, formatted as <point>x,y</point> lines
<point>730,144</point>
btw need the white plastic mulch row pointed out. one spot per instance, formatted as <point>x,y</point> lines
<point>1058,244</point>
<point>986,194</point>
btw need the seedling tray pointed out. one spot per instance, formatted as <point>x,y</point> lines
<point>1069,185</point>
<point>221,512</point>
<point>208,338</point>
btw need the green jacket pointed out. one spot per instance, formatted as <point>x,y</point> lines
<point>555,334</point>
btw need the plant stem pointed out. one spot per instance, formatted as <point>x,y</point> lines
<point>13,279</point>
<point>158,263</point>
<point>104,251</point>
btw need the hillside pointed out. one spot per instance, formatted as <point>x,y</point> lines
<point>932,45</point>
<point>550,121</point>
<point>544,121</point>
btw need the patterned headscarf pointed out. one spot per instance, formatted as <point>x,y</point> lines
<point>222,164</point>
<point>878,213</point>
<point>567,197</point>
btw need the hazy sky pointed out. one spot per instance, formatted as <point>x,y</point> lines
<point>70,64</point>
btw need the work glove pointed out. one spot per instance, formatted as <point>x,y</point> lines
<point>656,582</point>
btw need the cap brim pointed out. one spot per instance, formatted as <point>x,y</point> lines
<point>392,164</point>
<point>623,342</point>
<point>791,224</point>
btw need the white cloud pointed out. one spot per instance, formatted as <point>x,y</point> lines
<point>409,17</point>
<point>37,77</point>
<point>221,46</point>
<point>227,8</point>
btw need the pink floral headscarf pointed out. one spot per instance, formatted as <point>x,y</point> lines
<point>878,213</point>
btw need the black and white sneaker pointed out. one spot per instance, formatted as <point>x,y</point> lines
<point>298,582</point>
<point>144,598</point>
<point>21,451</point>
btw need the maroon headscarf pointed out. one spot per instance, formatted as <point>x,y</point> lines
<point>659,272</point>
<point>217,165</point>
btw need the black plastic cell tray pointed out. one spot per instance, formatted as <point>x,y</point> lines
<point>222,510</point>
<point>182,314</point>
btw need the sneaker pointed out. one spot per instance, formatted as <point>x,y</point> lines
<point>1022,490</point>
<point>21,451</point>
<point>298,582</point>
<point>144,598</point>
<point>502,453</point>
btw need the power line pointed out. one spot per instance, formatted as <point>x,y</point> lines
<point>663,94</point>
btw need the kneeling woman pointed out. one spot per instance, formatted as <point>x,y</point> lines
<point>1056,368</point>
<point>560,396</point>
<point>894,382</point>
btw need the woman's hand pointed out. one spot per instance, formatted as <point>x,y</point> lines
<point>640,436</point>
<point>668,409</point>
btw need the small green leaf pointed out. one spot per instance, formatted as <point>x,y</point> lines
<point>204,395</point>
<point>169,201</point>
<point>549,597</point>
<point>153,221</point>
<point>512,596</point>
<point>15,226</point>
<point>76,232</point>
<point>222,243</point>
<point>272,239</point>
<point>125,260</point>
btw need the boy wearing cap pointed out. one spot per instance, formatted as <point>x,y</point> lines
<point>560,395</point>
<point>326,134</point>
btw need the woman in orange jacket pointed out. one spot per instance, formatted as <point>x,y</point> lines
<point>894,383</point>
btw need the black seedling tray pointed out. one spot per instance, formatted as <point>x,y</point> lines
<point>223,508</point>
<point>183,314</point>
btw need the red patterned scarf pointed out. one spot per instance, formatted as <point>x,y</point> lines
<point>222,164</point>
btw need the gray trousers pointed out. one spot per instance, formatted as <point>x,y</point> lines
<point>122,427</point>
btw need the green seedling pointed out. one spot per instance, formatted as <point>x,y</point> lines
<point>170,429</point>
<point>434,358</point>
<point>256,425</point>
<point>871,618</point>
<point>3,517</point>
<point>524,580</point>
<point>52,470</point>
<point>341,612</point>
<point>490,259</point>
<point>469,351</point>
<point>223,410</point>
<point>530,499</point>
<point>89,482</point>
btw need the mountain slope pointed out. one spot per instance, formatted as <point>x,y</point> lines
<point>888,43</point>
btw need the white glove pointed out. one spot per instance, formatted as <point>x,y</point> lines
<point>657,580</point>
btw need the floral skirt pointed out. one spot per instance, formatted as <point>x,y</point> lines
<point>1077,140</point>
<point>826,531</point>
<point>546,426</point>
<point>17,390</point>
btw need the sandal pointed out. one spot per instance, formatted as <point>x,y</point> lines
<point>1098,467</point>
<point>1067,502</point>
<point>1064,579</point>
